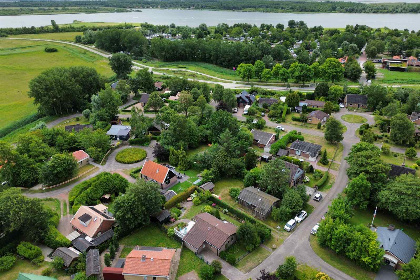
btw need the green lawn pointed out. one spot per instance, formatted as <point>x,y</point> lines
<point>396,77</point>
<point>27,267</point>
<point>253,259</point>
<point>180,187</point>
<point>61,36</point>
<point>54,204</point>
<point>22,60</point>
<point>73,121</point>
<point>325,145</point>
<point>189,262</point>
<point>399,160</point>
<point>350,118</point>
<point>384,218</point>
<point>340,262</point>
<point>193,152</point>
<point>151,236</point>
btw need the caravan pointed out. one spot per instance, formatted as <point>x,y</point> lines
<point>246,109</point>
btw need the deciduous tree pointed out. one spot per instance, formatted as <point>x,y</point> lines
<point>275,178</point>
<point>155,102</point>
<point>121,64</point>
<point>358,191</point>
<point>402,129</point>
<point>332,70</point>
<point>58,169</point>
<point>333,130</point>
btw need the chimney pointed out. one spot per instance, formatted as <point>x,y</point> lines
<point>143,258</point>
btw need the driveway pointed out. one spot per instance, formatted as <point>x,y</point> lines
<point>386,273</point>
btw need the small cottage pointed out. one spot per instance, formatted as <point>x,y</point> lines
<point>259,202</point>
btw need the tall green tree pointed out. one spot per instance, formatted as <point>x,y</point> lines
<point>275,178</point>
<point>245,71</point>
<point>370,70</point>
<point>301,72</point>
<point>358,191</point>
<point>378,97</point>
<point>155,102</point>
<point>292,99</point>
<point>185,102</point>
<point>248,236</point>
<point>143,81</point>
<point>104,107</point>
<point>410,270</point>
<point>259,67</point>
<point>140,201</point>
<point>335,93</point>
<point>332,70</point>
<point>59,168</point>
<point>401,197</point>
<point>402,129</point>
<point>352,70</point>
<point>121,64</point>
<point>139,123</point>
<point>123,89</point>
<point>288,269</point>
<point>333,130</point>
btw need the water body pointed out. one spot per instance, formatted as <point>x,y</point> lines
<point>195,17</point>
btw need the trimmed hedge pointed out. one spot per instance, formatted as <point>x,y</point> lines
<point>283,115</point>
<point>286,139</point>
<point>135,172</point>
<point>55,239</point>
<point>321,182</point>
<point>180,197</point>
<point>143,141</point>
<point>239,213</point>
<point>28,251</point>
<point>6,263</point>
<point>131,155</point>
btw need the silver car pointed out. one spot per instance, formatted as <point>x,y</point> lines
<point>301,216</point>
<point>290,225</point>
<point>314,230</point>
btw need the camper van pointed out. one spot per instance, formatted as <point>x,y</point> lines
<point>246,109</point>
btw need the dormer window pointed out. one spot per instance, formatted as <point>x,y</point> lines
<point>85,219</point>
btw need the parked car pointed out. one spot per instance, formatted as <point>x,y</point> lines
<point>279,127</point>
<point>5,183</point>
<point>235,110</point>
<point>318,197</point>
<point>255,121</point>
<point>341,105</point>
<point>301,216</point>
<point>290,225</point>
<point>314,230</point>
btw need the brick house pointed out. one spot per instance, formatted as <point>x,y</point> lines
<point>262,138</point>
<point>304,149</point>
<point>316,117</point>
<point>156,172</point>
<point>211,233</point>
<point>312,103</point>
<point>355,101</point>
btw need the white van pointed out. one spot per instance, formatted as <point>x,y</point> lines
<point>246,109</point>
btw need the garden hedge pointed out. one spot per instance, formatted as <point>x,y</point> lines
<point>180,197</point>
<point>286,139</point>
<point>6,263</point>
<point>283,116</point>
<point>28,251</point>
<point>239,213</point>
<point>324,179</point>
<point>131,155</point>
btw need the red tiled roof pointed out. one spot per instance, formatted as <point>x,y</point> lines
<point>209,229</point>
<point>99,221</point>
<point>155,263</point>
<point>80,155</point>
<point>154,171</point>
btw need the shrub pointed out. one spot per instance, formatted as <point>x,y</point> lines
<point>283,115</point>
<point>234,192</point>
<point>6,263</point>
<point>107,260</point>
<point>57,263</point>
<point>321,182</point>
<point>206,272</point>
<point>217,266</point>
<point>175,212</point>
<point>411,152</point>
<point>28,251</point>
<point>143,141</point>
<point>48,49</point>
<point>55,239</point>
<point>46,272</point>
<point>318,125</point>
<point>180,197</point>
<point>171,232</point>
<point>386,149</point>
<point>86,113</point>
<point>131,155</point>
<point>135,172</point>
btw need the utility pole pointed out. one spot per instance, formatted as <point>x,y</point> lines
<point>374,215</point>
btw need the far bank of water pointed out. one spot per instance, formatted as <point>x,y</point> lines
<point>195,17</point>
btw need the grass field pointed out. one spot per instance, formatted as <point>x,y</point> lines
<point>353,118</point>
<point>399,160</point>
<point>340,262</point>
<point>396,77</point>
<point>54,204</point>
<point>22,60</point>
<point>27,267</point>
<point>62,36</point>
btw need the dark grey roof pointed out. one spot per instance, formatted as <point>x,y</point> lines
<point>162,216</point>
<point>397,170</point>
<point>314,103</point>
<point>77,127</point>
<point>81,244</point>
<point>120,263</point>
<point>263,202</point>
<point>114,85</point>
<point>262,137</point>
<point>246,96</point>
<point>93,265</point>
<point>144,98</point>
<point>66,254</point>
<point>306,147</point>
<point>269,101</point>
<point>397,243</point>
<point>282,152</point>
<point>119,130</point>
<point>103,237</point>
<point>320,115</point>
<point>169,194</point>
<point>295,171</point>
<point>414,116</point>
<point>207,186</point>
<point>357,99</point>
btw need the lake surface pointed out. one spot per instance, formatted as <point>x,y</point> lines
<point>194,17</point>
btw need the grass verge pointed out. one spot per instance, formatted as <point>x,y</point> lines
<point>350,118</point>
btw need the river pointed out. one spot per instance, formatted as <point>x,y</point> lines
<point>194,17</point>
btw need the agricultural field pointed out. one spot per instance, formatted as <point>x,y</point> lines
<point>62,36</point>
<point>22,60</point>
<point>396,77</point>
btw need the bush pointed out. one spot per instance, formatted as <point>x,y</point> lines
<point>386,149</point>
<point>206,272</point>
<point>411,152</point>
<point>228,257</point>
<point>170,232</point>
<point>57,263</point>
<point>286,139</point>
<point>283,115</point>
<point>48,49</point>
<point>180,197</point>
<point>28,251</point>
<point>217,267</point>
<point>234,192</point>
<point>131,155</point>
<point>175,213</point>
<point>107,260</point>
<point>6,263</point>
<point>318,125</point>
<point>55,239</point>
<point>135,172</point>
<point>144,141</point>
<point>321,182</point>
<point>46,272</point>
